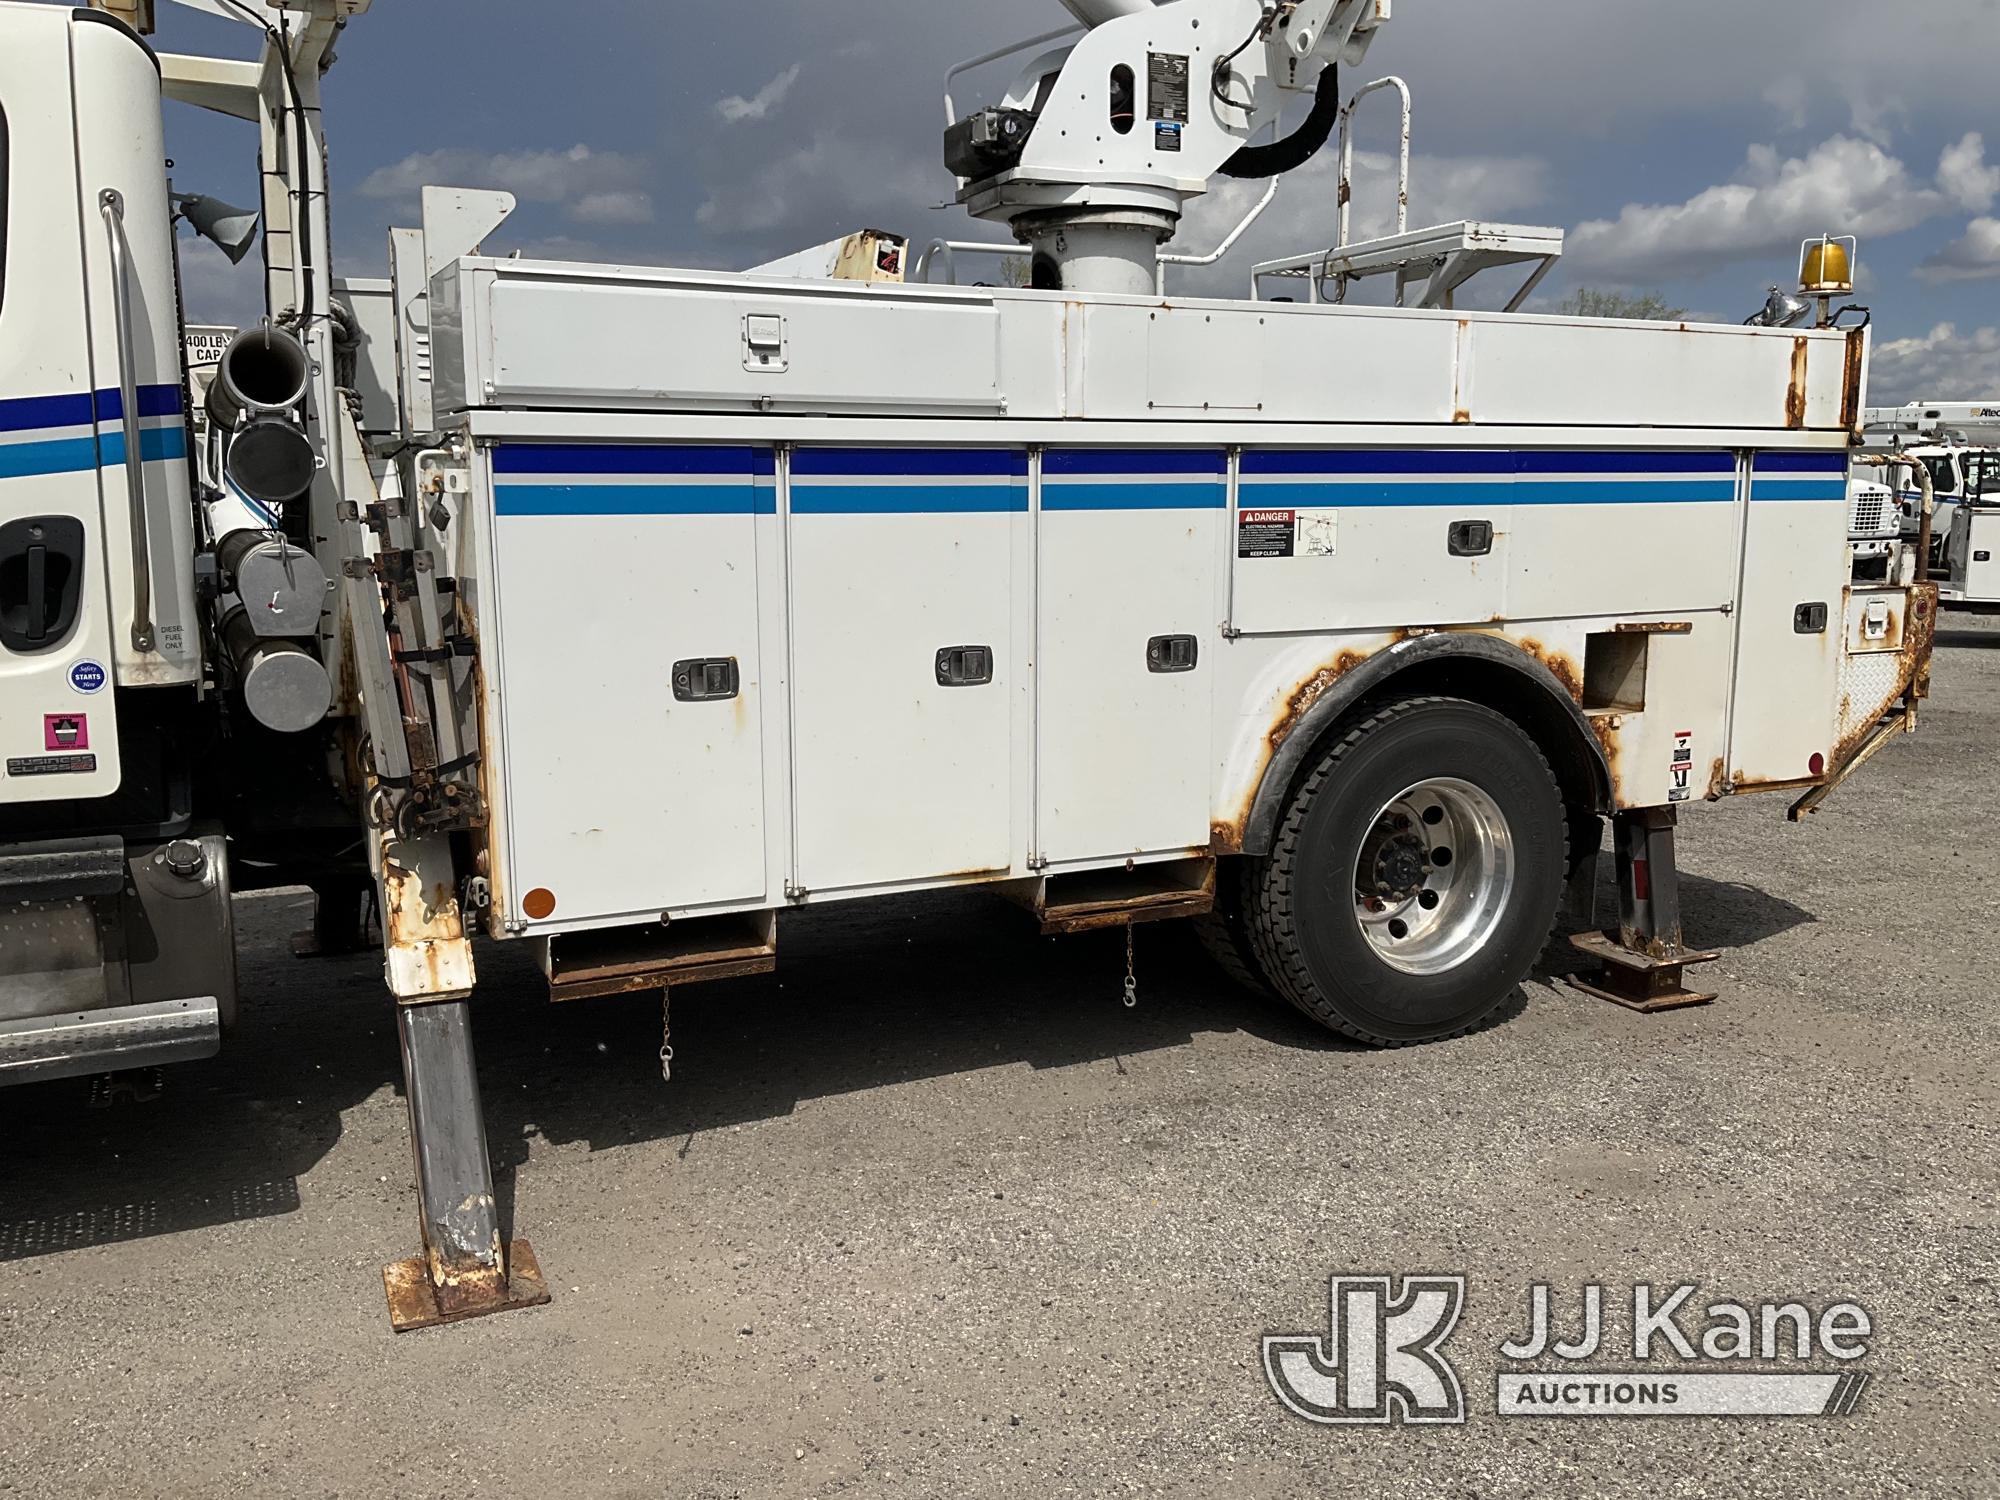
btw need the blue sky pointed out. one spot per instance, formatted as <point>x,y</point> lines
<point>1686,148</point>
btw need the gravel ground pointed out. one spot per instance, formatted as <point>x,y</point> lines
<point>929,1213</point>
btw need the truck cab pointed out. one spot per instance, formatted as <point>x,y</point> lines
<point>116,902</point>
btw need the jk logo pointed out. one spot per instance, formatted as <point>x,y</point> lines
<point>1379,1361</point>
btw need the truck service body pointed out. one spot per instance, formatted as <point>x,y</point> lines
<point>644,605</point>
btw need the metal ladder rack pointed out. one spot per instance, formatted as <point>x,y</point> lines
<point>1443,257</point>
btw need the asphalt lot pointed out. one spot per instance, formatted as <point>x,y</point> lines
<point>928,1212</point>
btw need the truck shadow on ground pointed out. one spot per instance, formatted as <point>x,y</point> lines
<point>868,996</point>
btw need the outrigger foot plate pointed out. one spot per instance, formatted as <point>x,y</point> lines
<point>1638,981</point>
<point>416,1302</point>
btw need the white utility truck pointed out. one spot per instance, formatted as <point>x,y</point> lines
<point>1957,443</point>
<point>618,611</point>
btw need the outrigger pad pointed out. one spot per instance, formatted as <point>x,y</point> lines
<point>415,1302</point>
<point>1637,981</point>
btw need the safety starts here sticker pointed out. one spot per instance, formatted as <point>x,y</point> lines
<point>1298,532</point>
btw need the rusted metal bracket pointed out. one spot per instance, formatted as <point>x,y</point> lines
<point>416,1301</point>
<point>1641,966</point>
<point>1904,722</point>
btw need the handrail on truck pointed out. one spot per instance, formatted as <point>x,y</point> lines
<point>111,203</point>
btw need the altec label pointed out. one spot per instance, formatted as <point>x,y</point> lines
<point>88,676</point>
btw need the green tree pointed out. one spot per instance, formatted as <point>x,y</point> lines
<point>1594,302</point>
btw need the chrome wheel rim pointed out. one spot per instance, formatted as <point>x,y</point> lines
<point>1434,875</point>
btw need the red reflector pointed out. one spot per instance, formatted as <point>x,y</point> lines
<point>1817,765</point>
<point>1642,880</point>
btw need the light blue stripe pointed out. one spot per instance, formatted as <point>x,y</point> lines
<point>77,455</point>
<point>1798,489</point>
<point>739,499</point>
<point>906,499</point>
<point>64,456</point>
<point>1206,494</point>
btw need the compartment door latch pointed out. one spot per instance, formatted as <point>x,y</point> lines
<point>706,679</point>
<point>1470,538</point>
<point>965,666</point>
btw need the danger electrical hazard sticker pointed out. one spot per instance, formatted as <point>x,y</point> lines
<point>1287,533</point>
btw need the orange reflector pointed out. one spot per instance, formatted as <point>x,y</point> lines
<point>539,903</point>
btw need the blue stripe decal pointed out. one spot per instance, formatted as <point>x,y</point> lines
<point>629,458</point>
<point>1200,494</point>
<point>1802,463</point>
<point>25,413</point>
<point>1377,461</point>
<point>1655,492</point>
<point>1067,461</point>
<point>1637,464</point>
<point>907,499</point>
<point>1003,463</point>
<point>76,455</point>
<point>739,499</point>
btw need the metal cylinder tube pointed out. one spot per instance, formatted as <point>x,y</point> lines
<point>1113,251</point>
<point>284,686</point>
<point>263,370</point>
<point>270,458</point>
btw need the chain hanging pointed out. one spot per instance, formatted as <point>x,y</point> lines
<point>666,1034</point>
<point>1131,978</point>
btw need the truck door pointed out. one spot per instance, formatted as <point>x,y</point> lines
<point>904,663</point>
<point>58,731</point>
<point>121,150</point>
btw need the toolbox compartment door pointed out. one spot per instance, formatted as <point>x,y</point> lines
<point>631,678</point>
<point>1789,619</point>
<point>904,666</point>
<point>1127,542</point>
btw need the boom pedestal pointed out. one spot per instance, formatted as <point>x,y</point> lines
<point>465,1270</point>
<point>1642,964</point>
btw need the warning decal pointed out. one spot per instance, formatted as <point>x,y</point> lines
<point>1167,87</point>
<point>1266,533</point>
<point>1683,768</point>
<point>1297,532</point>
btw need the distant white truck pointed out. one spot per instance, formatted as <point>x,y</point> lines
<point>1957,444</point>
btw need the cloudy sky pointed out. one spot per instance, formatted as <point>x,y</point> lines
<point>1686,148</point>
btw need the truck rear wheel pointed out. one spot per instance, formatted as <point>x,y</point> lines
<point>1414,876</point>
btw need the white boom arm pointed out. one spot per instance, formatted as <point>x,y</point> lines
<point>1094,151</point>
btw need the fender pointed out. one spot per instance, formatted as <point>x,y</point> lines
<point>1435,649</point>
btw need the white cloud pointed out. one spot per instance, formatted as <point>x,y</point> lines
<point>830,187</point>
<point>1844,185</point>
<point>613,208</point>
<point>1942,365</point>
<point>597,187</point>
<point>214,291</point>
<point>1965,177</point>
<point>760,105</point>
<point>1973,256</point>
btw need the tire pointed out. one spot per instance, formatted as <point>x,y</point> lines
<point>1225,932</point>
<point>1413,774</point>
